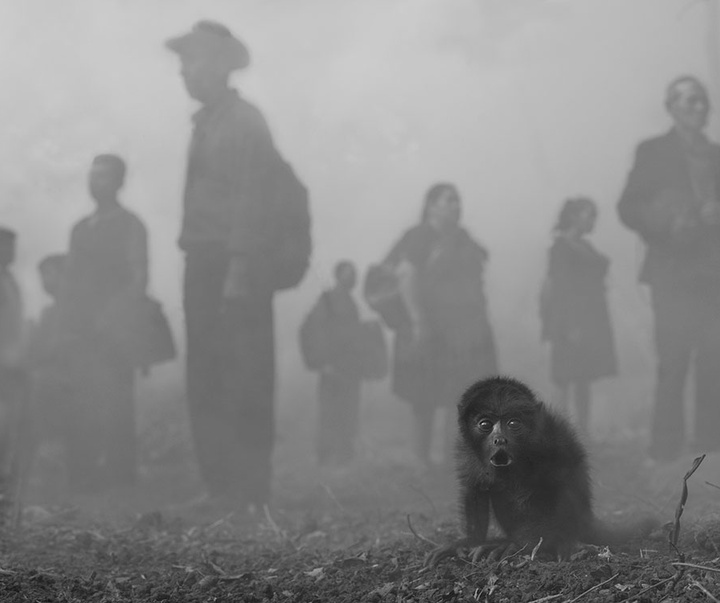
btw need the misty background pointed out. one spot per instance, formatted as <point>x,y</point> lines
<point>521,103</point>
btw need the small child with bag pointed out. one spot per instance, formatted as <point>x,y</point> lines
<point>344,351</point>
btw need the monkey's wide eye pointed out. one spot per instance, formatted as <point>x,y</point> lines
<point>485,425</point>
<point>514,424</point>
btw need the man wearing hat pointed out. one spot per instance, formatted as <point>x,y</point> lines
<point>227,301</point>
<point>672,200</point>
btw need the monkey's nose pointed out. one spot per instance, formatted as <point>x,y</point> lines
<point>500,441</point>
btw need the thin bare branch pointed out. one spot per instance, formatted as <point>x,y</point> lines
<point>596,587</point>
<point>419,536</point>
<point>675,534</point>
<point>704,568</point>
<point>649,588</point>
<point>707,593</point>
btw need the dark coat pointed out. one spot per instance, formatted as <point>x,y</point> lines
<point>460,346</point>
<point>574,313</point>
<point>658,189</point>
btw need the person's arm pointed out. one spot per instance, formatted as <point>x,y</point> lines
<point>67,304</point>
<point>659,221</point>
<point>638,191</point>
<point>407,275</point>
<point>246,162</point>
<point>710,210</point>
<point>406,258</point>
<point>137,256</point>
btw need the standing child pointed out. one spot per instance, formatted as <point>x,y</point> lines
<point>329,341</point>
<point>52,392</point>
<point>574,311</point>
<point>13,383</point>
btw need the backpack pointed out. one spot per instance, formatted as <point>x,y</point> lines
<point>290,224</point>
<point>366,351</point>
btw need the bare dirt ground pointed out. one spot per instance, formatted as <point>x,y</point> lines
<point>356,535</point>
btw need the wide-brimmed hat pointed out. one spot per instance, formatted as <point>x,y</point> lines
<point>212,41</point>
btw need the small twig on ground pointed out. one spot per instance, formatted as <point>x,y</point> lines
<point>700,567</point>
<point>681,556</point>
<point>652,587</point>
<point>276,528</point>
<point>419,536</point>
<point>708,594</point>
<point>425,496</point>
<point>332,496</point>
<point>675,534</point>
<point>220,521</point>
<point>536,549</point>
<point>596,587</point>
<point>517,553</point>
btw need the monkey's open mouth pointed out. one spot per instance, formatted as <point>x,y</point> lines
<point>501,459</point>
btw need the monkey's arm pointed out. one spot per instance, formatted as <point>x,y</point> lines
<point>476,515</point>
<point>476,518</point>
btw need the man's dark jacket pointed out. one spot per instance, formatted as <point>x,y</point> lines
<point>659,187</point>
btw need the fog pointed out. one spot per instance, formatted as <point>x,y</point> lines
<point>520,103</point>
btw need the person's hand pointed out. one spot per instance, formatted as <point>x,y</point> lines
<point>235,286</point>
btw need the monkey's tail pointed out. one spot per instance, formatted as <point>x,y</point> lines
<point>603,534</point>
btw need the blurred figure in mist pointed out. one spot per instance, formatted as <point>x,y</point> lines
<point>13,379</point>
<point>448,342</point>
<point>228,296</point>
<point>574,310</point>
<point>106,270</point>
<point>672,200</point>
<point>54,415</point>
<point>330,335</point>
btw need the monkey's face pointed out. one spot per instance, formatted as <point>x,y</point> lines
<point>498,420</point>
<point>500,437</point>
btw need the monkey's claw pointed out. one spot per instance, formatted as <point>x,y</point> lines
<point>438,554</point>
<point>493,552</point>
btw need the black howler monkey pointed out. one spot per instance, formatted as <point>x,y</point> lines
<point>518,458</point>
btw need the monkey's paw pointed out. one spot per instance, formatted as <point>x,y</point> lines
<point>438,554</point>
<point>495,551</point>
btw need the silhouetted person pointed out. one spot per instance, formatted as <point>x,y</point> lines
<point>228,293</point>
<point>574,311</point>
<point>672,200</point>
<point>13,383</point>
<point>107,269</point>
<point>449,342</point>
<point>335,324</point>
<point>53,401</point>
